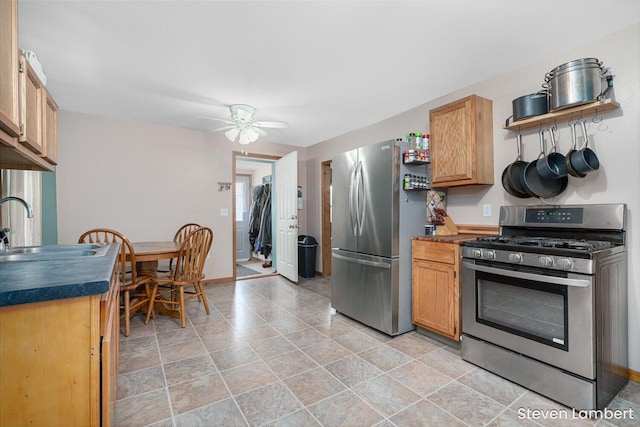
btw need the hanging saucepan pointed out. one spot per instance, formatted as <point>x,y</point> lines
<point>537,186</point>
<point>552,166</point>
<point>585,159</point>
<point>567,160</point>
<point>516,170</point>
<point>511,174</point>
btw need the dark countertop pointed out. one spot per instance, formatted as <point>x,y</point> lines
<point>23,282</point>
<point>459,238</point>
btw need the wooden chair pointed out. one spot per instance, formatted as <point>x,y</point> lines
<point>179,238</point>
<point>188,272</point>
<point>132,298</point>
<point>181,234</point>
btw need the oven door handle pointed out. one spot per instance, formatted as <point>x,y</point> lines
<point>566,281</point>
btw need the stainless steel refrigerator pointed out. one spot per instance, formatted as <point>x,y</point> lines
<point>373,220</point>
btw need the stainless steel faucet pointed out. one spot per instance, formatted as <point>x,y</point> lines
<point>4,239</point>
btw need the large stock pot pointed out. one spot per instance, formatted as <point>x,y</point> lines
<point>575,83</point>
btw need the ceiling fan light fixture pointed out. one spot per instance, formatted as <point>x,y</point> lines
<point>248,136</point>
<point>232,134</point>
<point>242,127</point>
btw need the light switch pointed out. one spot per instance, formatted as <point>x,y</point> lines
<point>486,210</point>
<point>224,212</point>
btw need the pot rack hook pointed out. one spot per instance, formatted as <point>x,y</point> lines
<point>573,120</point>
<point>602,126</point>
<point>595,117</point>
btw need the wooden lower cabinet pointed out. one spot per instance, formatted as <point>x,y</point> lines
<point>436,287</point>
<point>59,361</point>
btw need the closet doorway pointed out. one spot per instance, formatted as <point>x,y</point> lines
<point>253,251</point>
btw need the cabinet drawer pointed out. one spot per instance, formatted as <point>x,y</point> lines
<point>434,251</point>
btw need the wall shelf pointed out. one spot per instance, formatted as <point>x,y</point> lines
<point>545,120</point>
<point>417,162</point>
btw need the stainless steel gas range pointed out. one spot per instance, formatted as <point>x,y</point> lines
<point>545,303</point>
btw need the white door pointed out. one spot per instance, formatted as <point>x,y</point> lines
<point>286,200</point>
<point>243,189</point>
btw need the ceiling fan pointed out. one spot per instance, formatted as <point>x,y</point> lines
<point>242,127</point>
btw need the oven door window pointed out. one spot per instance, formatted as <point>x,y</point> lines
<point>530,309</point>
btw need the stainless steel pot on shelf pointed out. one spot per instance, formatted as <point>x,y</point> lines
<point>576,82</point>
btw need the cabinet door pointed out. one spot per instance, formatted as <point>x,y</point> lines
<point>451,140</point>
<point>49,370</point>
<point>9,109</point>
<point>50,128</point>
<point>31,107</point>
<point>462,143</point>
<point>436,303</point>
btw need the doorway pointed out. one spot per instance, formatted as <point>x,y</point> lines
<point>252,178</point>
<point>325,190</point>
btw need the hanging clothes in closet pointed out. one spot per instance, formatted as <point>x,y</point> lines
<point>260,220</point>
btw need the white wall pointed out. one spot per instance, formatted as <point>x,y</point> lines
<point>617,146</point>
<point>147,180</point>
<point>258,174</point>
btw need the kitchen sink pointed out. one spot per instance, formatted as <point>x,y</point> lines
<point>52,252</point>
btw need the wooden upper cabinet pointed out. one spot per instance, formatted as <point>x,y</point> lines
<point>9,109</point>
<point>462,142</point>
<point>28,115</point>
<point>32,96</point>
<point>50,128</point>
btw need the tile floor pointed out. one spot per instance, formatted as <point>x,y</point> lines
<point>271,354</point>
<point>256,265</point>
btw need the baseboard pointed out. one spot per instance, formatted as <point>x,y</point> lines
<point>634,375</point>
<point>218,280</point>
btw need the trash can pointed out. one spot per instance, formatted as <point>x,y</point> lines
<point>307,256</point>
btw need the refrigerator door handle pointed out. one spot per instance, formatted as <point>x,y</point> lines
<point>361,261</point>
<point>362,199</point>
<point>352,199</point>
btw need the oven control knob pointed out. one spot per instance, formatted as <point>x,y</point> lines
<point>565,263</point>
<point>476,253</point>
<point>545,261</point>
<point>515,258</point>
<point>488,254</point>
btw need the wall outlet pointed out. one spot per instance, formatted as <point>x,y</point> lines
<point>486,210</point>
<point>224,212</point>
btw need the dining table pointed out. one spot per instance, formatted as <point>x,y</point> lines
<point>147,256</point>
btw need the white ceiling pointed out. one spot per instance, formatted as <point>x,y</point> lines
<point>325,67</point>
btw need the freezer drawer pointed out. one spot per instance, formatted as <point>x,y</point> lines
<point>366,288</point>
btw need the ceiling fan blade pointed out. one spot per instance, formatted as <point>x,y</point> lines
<point>275,125</point>
<point>224,128</point>
<point>216,119</point>
<point>259,131</point>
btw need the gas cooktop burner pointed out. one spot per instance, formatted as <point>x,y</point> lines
<point>547,242</point>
